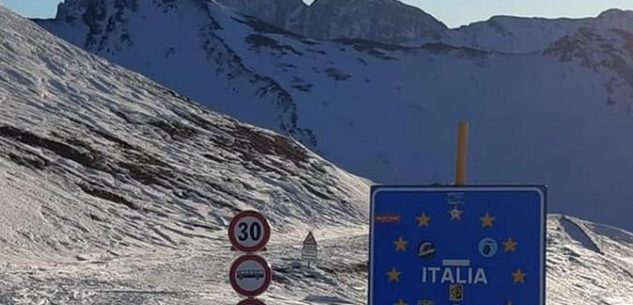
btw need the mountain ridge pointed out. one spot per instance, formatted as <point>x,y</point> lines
<point>386,21</point>
<point>312,90</point>
<point>161,167</point>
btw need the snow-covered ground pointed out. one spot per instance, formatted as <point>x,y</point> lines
<point>520,35</point>
<point>115,190</point>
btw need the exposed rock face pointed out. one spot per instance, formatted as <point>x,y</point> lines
<point>385,21</point>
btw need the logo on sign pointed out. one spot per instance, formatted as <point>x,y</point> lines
<point>426,249</point>
<point>250,274</point>
<point>456,293</point>
<point>488,247</point>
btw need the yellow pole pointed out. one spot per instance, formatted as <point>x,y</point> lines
<point>462,151</point>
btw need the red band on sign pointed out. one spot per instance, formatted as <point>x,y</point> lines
<point>387,219</point>
<point>251,302</point>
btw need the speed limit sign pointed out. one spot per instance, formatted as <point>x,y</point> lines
<point>249,231</point>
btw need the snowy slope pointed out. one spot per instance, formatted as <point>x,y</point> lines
<point>95,157</point>
<point>588,263</point>
<point>558,116</point>
<point>116,190</point>
<point>525,35</point>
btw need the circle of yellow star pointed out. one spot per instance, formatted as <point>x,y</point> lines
<point>423,220</point>
<point>401,244</point>
<point>486,221</point>
<point>519,276</point>
<point>456,214</point>
<point>400,302</point>
<point>394,275</point>
<point>510,245</point>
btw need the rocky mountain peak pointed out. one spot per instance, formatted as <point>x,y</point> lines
<point>385,21</point>
<point>616,19</point>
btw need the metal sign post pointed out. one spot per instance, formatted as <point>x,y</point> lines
<point>250,275</point>
<point>462,153</point>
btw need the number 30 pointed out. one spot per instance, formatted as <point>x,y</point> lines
<point>253,233</point>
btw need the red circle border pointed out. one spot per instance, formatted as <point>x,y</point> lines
<point>251,302</point>
<point>266,232</point>
<point>267,279</point>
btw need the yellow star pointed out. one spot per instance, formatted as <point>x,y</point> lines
<point>510,245</point>
<point>394,275</point>
<point>509,303</point>
<point>401,244</point>
<point>456,214</point>
<point>400,302</point>
<point>423,220</point>
<point>486,221</point>
<point>519,276</point>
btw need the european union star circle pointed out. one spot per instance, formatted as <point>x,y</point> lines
<point>457,245</point>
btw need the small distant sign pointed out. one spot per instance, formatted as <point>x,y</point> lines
<point>310,250</point>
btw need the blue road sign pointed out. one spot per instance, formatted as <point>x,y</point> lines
<point>457,245</point>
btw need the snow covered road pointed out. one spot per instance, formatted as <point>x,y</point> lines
<point>187,276</point>
<point>577,272</point>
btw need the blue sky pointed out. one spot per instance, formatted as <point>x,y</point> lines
<point>452,12</point>
<point>33,8</point>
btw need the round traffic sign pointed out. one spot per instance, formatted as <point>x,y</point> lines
<point>251,302</point>
<point>249,231</point>
<point>250,275</point>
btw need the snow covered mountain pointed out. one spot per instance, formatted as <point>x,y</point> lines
<point>559,114</point>
<point>116,190</point>
<point>588,263</point>
<point>385,21</point>
<point>95,157</point>
<point>284,14</point>
<point>525,35</point>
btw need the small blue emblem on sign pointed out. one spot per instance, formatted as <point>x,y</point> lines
<point>488,247</point>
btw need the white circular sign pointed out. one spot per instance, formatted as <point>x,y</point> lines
<point>250,275</point>
<point>249,231</point>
